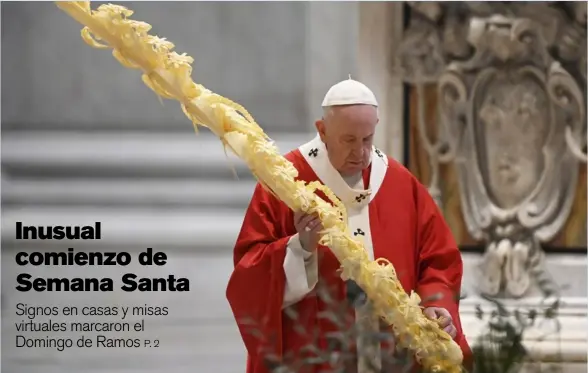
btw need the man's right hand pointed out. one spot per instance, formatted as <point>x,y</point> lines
<point>308,228</point>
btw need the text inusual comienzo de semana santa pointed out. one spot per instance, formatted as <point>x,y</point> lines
<point>130,281</point>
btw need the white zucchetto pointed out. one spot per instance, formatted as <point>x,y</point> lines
<point>349,92</point>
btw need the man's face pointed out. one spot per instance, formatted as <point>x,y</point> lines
<point>348,133</point>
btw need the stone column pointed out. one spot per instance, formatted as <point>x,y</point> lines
<point>331,50</point>
<point>380,31</point>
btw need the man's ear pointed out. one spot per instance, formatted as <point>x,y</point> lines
<point>320,128</point>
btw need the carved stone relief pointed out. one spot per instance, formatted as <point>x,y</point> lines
<point>511,81</point>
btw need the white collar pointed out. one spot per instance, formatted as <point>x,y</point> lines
<point>315,154</point>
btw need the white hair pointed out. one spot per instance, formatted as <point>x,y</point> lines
<point>327,111</point>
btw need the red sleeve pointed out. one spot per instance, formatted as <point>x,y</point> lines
<point>256,288</point>
<point>440,265</point>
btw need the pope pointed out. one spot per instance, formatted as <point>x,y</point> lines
<point>284,282</point>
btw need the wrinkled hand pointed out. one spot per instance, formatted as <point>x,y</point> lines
<point>308,228</point>
<point>442,316</point>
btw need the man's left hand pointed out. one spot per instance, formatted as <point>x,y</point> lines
<point>443,317</point>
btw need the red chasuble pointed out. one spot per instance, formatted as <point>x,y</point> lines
<point>395,217</point>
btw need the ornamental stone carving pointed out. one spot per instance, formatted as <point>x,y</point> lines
<point>511,81</point>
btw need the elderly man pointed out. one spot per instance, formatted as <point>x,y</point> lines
<point>274,290</point>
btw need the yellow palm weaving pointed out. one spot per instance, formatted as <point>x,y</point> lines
<point>169,75</point>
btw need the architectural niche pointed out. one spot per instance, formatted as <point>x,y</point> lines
<point>511,84</point>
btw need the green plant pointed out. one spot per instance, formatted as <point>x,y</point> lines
<point>499,349</point>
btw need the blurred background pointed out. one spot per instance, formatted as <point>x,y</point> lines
<point>83,140</point>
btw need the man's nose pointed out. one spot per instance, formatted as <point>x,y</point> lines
<point>357,150</point>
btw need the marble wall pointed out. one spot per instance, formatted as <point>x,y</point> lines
<point>277,59</point>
